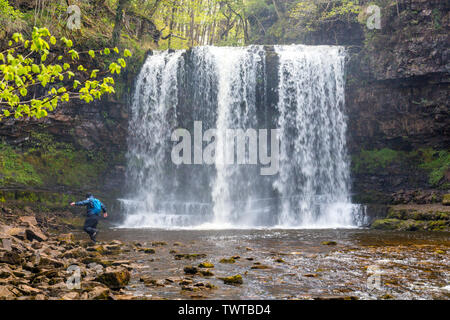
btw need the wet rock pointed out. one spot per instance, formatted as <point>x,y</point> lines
<point>311,275</point>
<point>233,280</point>
<point>227,260</point>
<point>189,256</point>
<point>148,250</point>
<point>329,243</point>
<point>279,260</point>
<point>336,298</point>
<point>207,265</point>
<point>185,282</point>
<point>387,296</point>
<point>114,278</point>
<point>446,199</point>
<point>259,267</point>
<point>190,270</point>
<point>206,273</point>
<point>176,244</point>
<point>151,282</point>
<point>159,243</point>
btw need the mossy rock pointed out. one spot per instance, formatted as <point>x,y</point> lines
<point>207,265</point>
<point>148,250</point>
<point>190,270</point>
<point>233,280</point>
<point>115,279</point>
<point>159,243</point>
<point>329,243</point>
<point>385,224</point>
<point>446,199</point>
<point>206,273</point>
<point>189,256</point>
<point>227,260</point>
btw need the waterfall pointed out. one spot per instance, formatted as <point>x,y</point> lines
<point>238,88</point>
<point>314,183</point>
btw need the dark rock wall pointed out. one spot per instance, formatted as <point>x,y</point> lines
<point>398,96</point>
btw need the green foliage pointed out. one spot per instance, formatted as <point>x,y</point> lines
<point>373,160</point>
<point>10,18</point>
<point>437,163</point>
<point>25,72</point>
<point>15,170</point>
<point>49,162</point>
<point>60,163</point>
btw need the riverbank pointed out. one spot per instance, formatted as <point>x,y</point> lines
<point>37,262</point>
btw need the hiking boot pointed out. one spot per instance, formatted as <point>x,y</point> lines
<point>93,236</point>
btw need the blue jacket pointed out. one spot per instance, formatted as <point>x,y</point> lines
<point>89,205</point>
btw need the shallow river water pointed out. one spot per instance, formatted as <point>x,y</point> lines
<point>363,263</point>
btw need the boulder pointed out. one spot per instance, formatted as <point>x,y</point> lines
<point>34,233</point>
<point>233,280</point>
<point>99,293</point>
<point>74,253</point>
<point>28,221</point>
<point>10,257</point>
<point>190,270</point>
<point>207,265</point>
<point>70,296</point>
<point>114,278</point>
<point>446,199</point>
<point>6,292</point>
<point>66,237</point>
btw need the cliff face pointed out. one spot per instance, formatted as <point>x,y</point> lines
<point>77,148</point>
<point>397,99</point>
<point>398,103</point>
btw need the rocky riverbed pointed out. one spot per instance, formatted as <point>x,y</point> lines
<point>221,264</point>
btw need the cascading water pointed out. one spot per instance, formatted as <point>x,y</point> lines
<point>238,88</point>
<point>314,183</point>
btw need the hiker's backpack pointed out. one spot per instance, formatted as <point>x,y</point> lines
<point>96,206</point>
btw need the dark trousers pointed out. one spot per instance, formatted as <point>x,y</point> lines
<point>90,224</point>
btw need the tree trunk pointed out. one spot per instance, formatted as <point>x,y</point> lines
<point>118,23</point>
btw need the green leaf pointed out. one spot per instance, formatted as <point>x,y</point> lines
<point>122,62</point>
<point>126,53</point>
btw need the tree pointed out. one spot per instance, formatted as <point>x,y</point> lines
<point>118,24</point>
<point>30,85</point>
